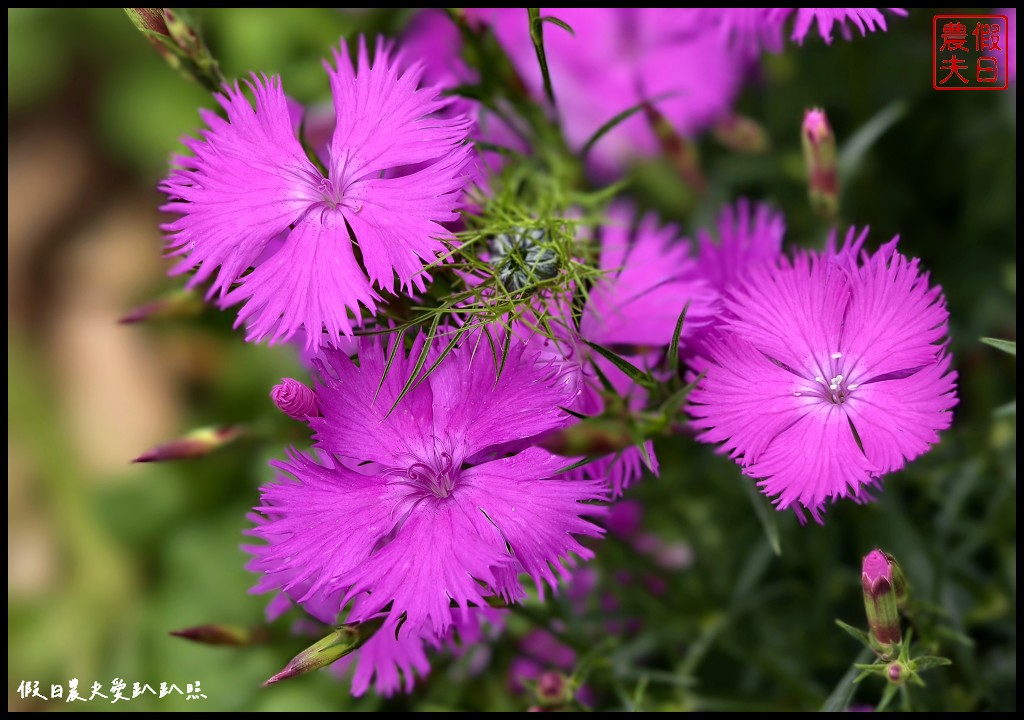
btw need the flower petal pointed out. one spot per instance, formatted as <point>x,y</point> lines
<point>438,557</point>
<point>398,223</point>
<point>814,460</point>
<point>745,401</point>
<point>535,511</point>
<point>523,402</point>
<point>247,181</point>
<point>355,418</point>
<point>895,322</point>
<point>651,278</point>
<point>384,121</point>
<point>313,282</point>
<point>352,511</point>
<point>899,419</point>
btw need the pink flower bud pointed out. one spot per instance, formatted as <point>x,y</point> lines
<point>819,145</point>
<point>294,399</point>
<point>879,580</point>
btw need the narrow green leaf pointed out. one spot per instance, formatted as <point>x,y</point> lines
<point>887,695</point>
<point>560,23</point>
<point>632,371</point>
<point>856,148</point>
<point>768,517</point>
<point>577,415</point>
<point>841,696</point>
<point>673,348</point>
<point>674,402</point>
<point>1007,346</point>
<point>641,444</point>
<point>537,36</point>
<point>456,336</point>
<point>428,341</point>
<point>506,347</point>
<point>618,120</point>
<point>926,662</point>
<point>399,346</point>
<point>856,633</point>
<point>606,384</point>
<point>577,464</point>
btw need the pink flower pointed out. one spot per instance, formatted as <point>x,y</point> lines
<point>617,58</point>
<point>249,197</point>
<point>830,370</point>
<point>408,511</point>
<point>864,19</point>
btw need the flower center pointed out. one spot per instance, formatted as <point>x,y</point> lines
<point>834,387</point>
<point>435,477</point>
<point>334,195</point>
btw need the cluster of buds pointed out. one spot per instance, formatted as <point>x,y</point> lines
<point>523,257</point>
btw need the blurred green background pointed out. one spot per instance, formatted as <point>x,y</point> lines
<point>105,557</point>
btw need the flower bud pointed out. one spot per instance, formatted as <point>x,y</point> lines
<point>553,689</point>
<point>177,41</point>
<point>879,577</point>
<point>222,635</point>
<point>523,257</point>
<point>681,151</point>
<point>196,444</point>
<point>342,641</point>
<point>894,672</point>
<point>741,134</point>
<point>819,143</point>
<point>294,399</point>
<point>173,305</point>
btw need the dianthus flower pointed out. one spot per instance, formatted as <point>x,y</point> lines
<point>250,197</point>
<point>829,371</point>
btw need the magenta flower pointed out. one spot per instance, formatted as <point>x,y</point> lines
<point>748,237</point>
<point>864,19</point>
<point>617,58</point>
<point>830,371</point>
<point>751,30</point>
<point>249,197</point>
<point>651,276</point>
<point>423,507</point>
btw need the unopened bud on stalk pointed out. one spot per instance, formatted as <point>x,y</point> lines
<point>173,305</point>
<point>223,635</point>
<point>678,149</point>
<point>294,399</point>
<point>741,134</point>
<point>880,577</point>
<point>196,444</point>
<point>553,689</point>
<point>179,44</point>
<point>819,143</point>
<point>342,641</point>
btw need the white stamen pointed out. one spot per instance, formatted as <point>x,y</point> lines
<point>853,387</point>
<point>833,386</point>
<point>836,355</point>
<point>820,380</point>
<point>839,378</point>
